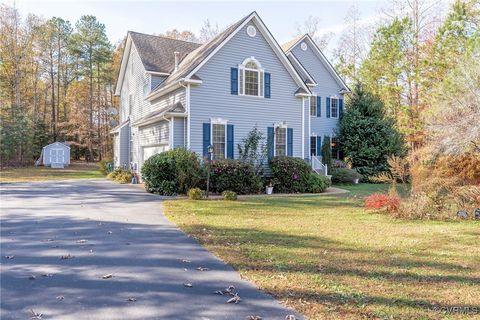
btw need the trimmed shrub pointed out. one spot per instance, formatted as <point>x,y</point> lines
<point>290,175</point>
<point>195,194</point>
<point>345,175</point>
<point>104,166</point>
<point>171,172</point>
<point>317,183</point>
<point>229,195</point>
<point>234,175</point>
<point>382,201</point>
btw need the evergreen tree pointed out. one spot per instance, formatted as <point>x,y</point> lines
<point>367,136</point>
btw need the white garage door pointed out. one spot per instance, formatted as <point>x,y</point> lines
<point>150,151</point>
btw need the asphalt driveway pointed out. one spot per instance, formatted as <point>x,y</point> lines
<point>102,229</point>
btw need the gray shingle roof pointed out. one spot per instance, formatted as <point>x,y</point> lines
<point>195,57</point>
<point>157,52</point>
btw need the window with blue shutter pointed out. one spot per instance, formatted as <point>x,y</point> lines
<point>234,81</point>
<point>270,145</point>
<point>319,106</point>
<point>230,141</point>
<point>328,107</point>
<point>206,138</point>
<point>319,146</point>
<point>340,107</point>
<point>289,142</point>
<point>267,85</point>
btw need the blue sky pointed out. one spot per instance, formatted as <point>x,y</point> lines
<point>281,17</point>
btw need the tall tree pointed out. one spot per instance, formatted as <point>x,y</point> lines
<point>311,26</point>
<point>184,35</point>
<point>208,31</point>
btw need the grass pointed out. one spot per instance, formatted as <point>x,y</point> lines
<point>328,258</point>
<point>27,174</point>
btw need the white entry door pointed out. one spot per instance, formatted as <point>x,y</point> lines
<point>57,156</point>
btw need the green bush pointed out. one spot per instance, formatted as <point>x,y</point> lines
<point>104,166</point>
<point>317,183</point>
<point>229,195</point>
<point>290,175</point>
<point>112,175</point>
<point>327,151</point>
<point>195,194</point>
<point>234,175</point>
<point>171,172</point>
<point>345,175</point>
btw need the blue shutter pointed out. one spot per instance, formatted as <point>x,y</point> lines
<point>234,81</point>
<point>328,107</point>
<point>289,142</point>
<point>206,138</point>
<point>267,85</point>
<point>319,146</point>
<point>270,142</point>
<point>319,106</point>
<point>230,141</point>
<point>340,107</point>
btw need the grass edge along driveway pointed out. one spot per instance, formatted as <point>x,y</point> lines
<point>327,257</point>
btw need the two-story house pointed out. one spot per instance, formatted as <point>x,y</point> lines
<point>180,94</point>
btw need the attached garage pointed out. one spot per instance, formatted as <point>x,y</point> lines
<point>153,138</point>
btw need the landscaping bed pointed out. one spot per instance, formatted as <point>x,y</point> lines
<point>327,257</point>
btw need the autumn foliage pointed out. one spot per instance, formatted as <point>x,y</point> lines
<point>382,201</point>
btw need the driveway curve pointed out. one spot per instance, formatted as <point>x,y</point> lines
<point>60,239</point>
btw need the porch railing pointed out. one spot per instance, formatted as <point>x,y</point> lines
<point>318,166</point>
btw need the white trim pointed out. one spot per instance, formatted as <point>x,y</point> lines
<point>323,59</point>
<point>303,128</point>
<point>155,73</point>
<point>310,106</point>
<point>187,102</point>
<point>172,132</point>
<point>338,106</point>
<point>273,43</point>
<point>251,31</point>
<point>218,120</point>
<point>304,70</point>
<point>309,119</point>
<point>123,66</point>
<point>281,125</point>
<point>171,87</point>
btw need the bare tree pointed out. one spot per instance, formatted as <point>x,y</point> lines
<point>310,26</point>
<point>184,35</point>
<point>208,31</point>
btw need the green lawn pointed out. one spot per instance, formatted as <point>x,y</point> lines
<point>328,258</point>
<point>74,171</point>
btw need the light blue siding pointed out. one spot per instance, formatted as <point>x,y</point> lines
<point>213,98</point>
<point>327,86</point>
<point>179,136</point>
<point>124,154</point>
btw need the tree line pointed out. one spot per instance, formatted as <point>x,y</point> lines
<point>56,84</point>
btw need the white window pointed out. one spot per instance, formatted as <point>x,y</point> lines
<point>313,106</point>
<point>334,107</point>
<point>219,140</point>
<point>280,141</point>
<point>251,78</point>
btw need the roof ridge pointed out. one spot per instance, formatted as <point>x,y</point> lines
<point>164,37</point>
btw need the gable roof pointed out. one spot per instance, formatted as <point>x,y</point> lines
<point>197,58</point>
<point>288,47</point>
<point>157,52</point>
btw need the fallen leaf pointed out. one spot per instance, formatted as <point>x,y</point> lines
<point>290,317</point>
<point>35,316</point>
<point>107,276</point>
<point>220,292</point>
<point>9,257</point>
<point>47,275</point>
<point>202,269</point>
<point>186,261</point>
<point>32,277</point>
<point>188,285</point>
<point>82,241</point>
<point>68,256</point>
<point>60,298</point>
<point>131,299</point>
<point>109,232</point>
<point>47,240</point>
<point>252,317</point>
<point>235,299</point>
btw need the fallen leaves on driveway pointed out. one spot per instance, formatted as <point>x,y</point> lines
<point>188,285</point>
<point>68,256</point>
<point>35,315</point>
<point>107,276</point>
<point>82,241</point>
<point>9,257</point>
<point>202,269</point>
<point>131,299</point>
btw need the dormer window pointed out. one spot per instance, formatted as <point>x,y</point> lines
<point>251,78</point>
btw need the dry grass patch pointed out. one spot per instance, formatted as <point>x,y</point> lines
<point>328,258</point>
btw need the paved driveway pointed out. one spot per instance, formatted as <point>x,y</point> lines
<point>105,228</point>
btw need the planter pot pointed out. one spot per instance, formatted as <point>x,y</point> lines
<point>356,181</point>
<point>269,190</point>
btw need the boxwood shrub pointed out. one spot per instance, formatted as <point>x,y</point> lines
<point>345,175</point>
<point>171,172</point>
<point>290,175</point>
<point>317,183</point>
<point>234,175</point>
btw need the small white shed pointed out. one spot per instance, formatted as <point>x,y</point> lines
<point>55,155</point>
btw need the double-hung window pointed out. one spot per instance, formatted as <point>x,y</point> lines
<point>280,141</point>
<point>251,78</point>
<point>313,106</point>
<point>219,140</point>
<point>334,107</point>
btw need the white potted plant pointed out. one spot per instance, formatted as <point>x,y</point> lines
<point>269,188</point>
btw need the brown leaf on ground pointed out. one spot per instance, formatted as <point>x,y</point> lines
<point>188,285</point>
<point>60,298</point>
<point>107,276</point>
<point>186,261</point>
<point>9,257</point>
<point>202,269</point>
<point>235,299</point>
<point>131,299</point>
<point>82,241</point>
<point>48,240</point>
<point>35,316</point>
<point>252,317</point>
<point>68,256</point>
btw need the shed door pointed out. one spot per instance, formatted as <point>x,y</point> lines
<point>57,156</point>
